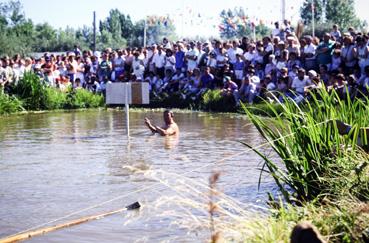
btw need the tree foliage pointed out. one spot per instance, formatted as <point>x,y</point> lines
<point>21,35</point>
<point>236,23</point>
<point>306,11</point>
<point>341,12</point>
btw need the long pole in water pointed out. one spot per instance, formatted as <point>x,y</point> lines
<point>127,111</point>
<point>42,231</point>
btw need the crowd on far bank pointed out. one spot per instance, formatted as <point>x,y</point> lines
<point>245,70</point>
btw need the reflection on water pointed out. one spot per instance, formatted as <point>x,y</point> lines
<point>52,164</point>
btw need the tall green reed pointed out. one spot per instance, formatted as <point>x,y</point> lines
<point>316,160</point>
<point>31,89</point>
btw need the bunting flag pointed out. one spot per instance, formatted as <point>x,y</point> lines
<point>158,20</point>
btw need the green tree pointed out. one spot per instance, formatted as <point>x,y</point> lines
<point>127,26</point>
<point>45,38</point>
<point>227,28</point>
<point>114,24</point>
<point>11,13</point>
<point>306,10</point>
<point>342,12</point>
<point>235,23</point>
<point>158,27</point>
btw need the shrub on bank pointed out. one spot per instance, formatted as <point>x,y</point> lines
<point>81,98</point>
<point>55,99</point>
<point>31,90</point>
<point>9,104</point>
<point>34,94</point>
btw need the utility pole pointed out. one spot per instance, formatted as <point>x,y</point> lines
<point>145,30</point>
<point>94,26</point>
<point>313,17</point>
<point>283,10</point>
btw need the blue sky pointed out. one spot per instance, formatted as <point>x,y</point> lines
<point>191,17</point>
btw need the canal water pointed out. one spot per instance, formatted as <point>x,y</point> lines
<point>60,166</point>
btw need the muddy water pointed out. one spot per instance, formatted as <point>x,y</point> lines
<point>54,165</point>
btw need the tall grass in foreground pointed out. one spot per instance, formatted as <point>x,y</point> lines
<point>317,160</point>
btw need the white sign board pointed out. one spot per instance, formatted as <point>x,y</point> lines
<point>131,92</point>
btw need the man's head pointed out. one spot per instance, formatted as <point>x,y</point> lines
<point>168,116</point>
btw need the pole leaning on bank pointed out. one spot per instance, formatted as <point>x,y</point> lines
<point>127,93</point>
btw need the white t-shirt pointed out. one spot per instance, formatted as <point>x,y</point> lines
<point>170,62</point>
<point>119,64</point>
<point>250,56</point>
<point>269,47</point>
<point>192,64</point>
<point>232,54</point>
<point>276,32</point>
<point>158,60</point>
<point>299,85</point>
<point>310,49</point>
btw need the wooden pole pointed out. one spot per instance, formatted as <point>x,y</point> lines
<point>29,234</point>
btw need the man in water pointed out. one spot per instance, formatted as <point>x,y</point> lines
<point>170,127</point>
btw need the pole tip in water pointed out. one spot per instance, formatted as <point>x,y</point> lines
<point>134,205</point>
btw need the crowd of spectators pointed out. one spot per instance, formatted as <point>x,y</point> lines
<point>280,65</point>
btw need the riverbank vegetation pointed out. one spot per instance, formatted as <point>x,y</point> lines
<point>323,176</point>
<point>32,93</point>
